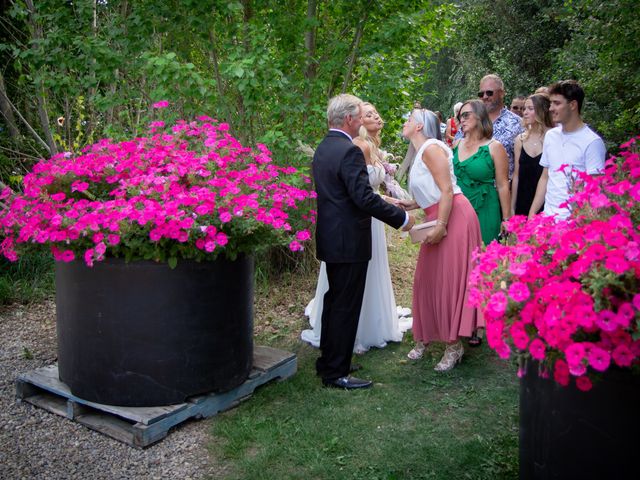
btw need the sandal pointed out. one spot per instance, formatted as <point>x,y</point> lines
<point>417,352</point>
<point>452,355</point>
<point>475,340</point>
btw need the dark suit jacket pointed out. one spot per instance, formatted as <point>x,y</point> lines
<point>346,202</point>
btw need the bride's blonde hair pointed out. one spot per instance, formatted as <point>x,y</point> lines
<point>374,142</point>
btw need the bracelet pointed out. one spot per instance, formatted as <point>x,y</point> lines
<point>441,222</point>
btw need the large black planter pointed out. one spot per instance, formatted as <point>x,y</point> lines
<point>142,334</point>
<point>569,434</point>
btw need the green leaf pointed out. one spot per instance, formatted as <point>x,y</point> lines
<point>237,71</point>
<point>173,262</point>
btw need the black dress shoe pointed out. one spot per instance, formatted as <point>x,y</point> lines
<point>348,383</point>
<point>355,367</point>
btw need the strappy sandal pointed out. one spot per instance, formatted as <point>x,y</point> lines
<point>475,340</point>
<point>417,352</point>
<point>452,355</point>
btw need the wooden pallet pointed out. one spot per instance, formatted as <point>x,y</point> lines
<point>143,426</point>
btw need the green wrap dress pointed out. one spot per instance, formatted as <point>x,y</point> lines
<point>476,177</point>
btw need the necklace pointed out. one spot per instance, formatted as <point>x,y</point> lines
<point>533,142</point>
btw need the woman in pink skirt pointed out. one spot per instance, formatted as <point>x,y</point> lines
<point>440,309</point>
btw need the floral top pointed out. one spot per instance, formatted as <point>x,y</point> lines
<point>505,129</point>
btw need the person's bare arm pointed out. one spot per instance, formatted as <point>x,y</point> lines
<point>541,191</point>
<point>435,158</point>
<point>516,174</point>
<point>501,164</point>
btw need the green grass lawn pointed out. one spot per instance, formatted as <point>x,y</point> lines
<point>414,423</point>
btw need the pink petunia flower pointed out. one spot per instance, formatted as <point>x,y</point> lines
<point>519,291</point>
<point>599,359</point>
<point>583,383</point>
<point>537,349</point>
<point>497,305</point>
<point>623,356</point>
<point>561,372</point>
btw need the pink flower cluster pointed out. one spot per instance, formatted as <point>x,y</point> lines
<point>190,190</point>
<point>565,293</point>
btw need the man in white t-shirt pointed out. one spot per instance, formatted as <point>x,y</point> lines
<point>569,148</point>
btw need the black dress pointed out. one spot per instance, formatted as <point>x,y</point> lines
<point>530,171</point>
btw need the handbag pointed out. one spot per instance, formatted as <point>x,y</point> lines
<point>419,232</point>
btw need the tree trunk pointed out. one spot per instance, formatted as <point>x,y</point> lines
<point>42,110</point>
<point>311,69</point>
<point>93,89</point>
<point>7,112</point>
<point>245,129</point>
<point>354,49</point>
<point>26,123</point>
<point>112,111</point>
<point>213,56</point>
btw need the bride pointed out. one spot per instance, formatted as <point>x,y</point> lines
<point>379,320</point>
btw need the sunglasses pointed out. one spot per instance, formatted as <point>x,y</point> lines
<point>489,93</point>
<point>464,115</point>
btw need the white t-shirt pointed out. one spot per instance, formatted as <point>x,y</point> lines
<point>582,150</point>
<point>422,185</point>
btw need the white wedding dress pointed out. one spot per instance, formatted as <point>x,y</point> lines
<point>380,320</point>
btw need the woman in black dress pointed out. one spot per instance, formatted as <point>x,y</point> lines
<point>528,151</point>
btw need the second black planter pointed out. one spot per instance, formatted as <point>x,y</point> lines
<point>566,433</point>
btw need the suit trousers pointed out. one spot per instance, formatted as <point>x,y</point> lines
<point>340,314</point>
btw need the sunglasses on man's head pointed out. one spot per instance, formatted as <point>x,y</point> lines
<point>489,93</point>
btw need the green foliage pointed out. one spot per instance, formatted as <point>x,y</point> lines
<point>242,62</point>
<point>603,56</point>
<point>30,279</point>
<point>531,43</point>
<point>517,39</point>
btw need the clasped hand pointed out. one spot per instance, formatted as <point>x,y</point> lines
<point>436,234</point>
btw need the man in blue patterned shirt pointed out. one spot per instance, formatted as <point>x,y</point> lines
<point>506,124</point>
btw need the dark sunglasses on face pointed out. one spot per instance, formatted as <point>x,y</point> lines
<point>464,115</point>
<point>489,93</point>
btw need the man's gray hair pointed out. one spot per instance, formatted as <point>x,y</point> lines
<point>340,106</point>
<point>495,78</point>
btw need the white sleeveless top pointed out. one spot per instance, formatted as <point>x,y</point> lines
<point>422,185</point>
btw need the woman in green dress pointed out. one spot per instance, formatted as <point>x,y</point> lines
<point>481,166</point>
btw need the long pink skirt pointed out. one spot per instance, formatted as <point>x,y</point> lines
<point>440,287</point>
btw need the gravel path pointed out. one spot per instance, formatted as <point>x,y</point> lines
<point>36,444</point>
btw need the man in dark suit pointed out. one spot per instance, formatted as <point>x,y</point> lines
<point>346,203</point>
